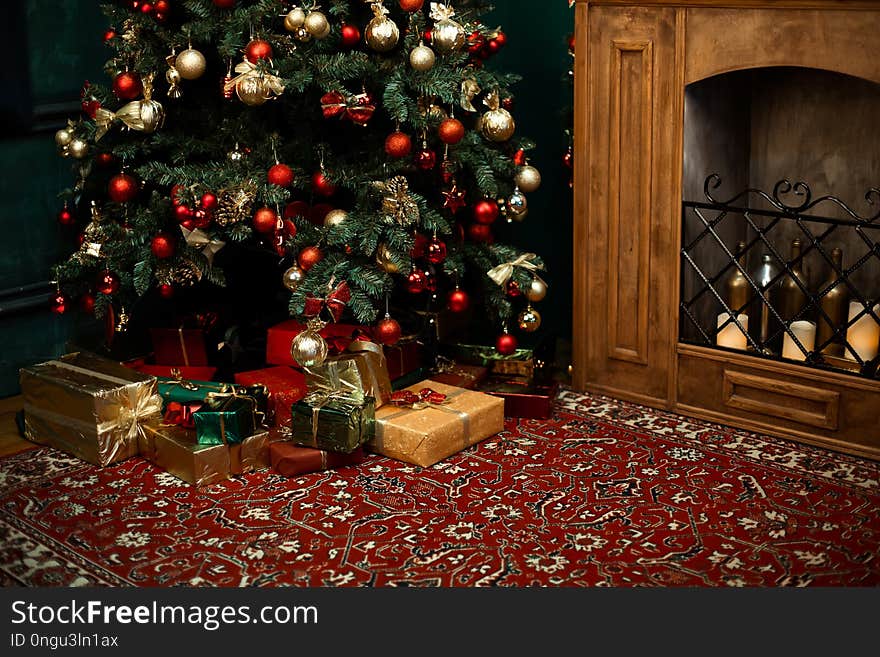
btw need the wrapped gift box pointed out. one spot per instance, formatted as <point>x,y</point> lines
<point>336,425</point>
<point>226,421</point>
<point>184,391</point>
<point>362,368</point>
<point>88,406</point>
<point>404,358</point>
<point>425,436</point>
<point>286,387</point>
<point>290,460</point>
<point>522,398</point>
<point>460,376</point>
<point>185,347</point>
<point>338,337</point>
<point>172,372</point>
<point>177,451</point>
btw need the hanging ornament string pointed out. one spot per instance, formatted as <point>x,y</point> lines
<point>504,272</point>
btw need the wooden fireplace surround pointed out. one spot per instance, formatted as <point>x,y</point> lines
<point>633,62</point>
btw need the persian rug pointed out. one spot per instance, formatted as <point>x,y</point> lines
<point>604,494</point>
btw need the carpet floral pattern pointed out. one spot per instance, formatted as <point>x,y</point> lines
<point>605,494</point>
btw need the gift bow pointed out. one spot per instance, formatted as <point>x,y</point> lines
<point>334,302</point>
<point>247,70</point>
<point>440,12</point>
<point>144,115</point>
<point>423,399</point>
<point>357,108</point>
<point>504,272</point>
<point>181,415</point>
<point>201,241</point>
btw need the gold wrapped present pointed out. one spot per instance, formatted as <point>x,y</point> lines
<point>177,451</point>
<point>436,422</point>
<point>88,406</point>
<point>362,368</point>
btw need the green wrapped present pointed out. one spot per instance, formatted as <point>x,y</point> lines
<point>183,392</point>
<point>334,423</point>
<point>226,420</point>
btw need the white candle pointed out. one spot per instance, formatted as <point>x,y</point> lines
<point>730,336</point>
<point>805,332</point>
<point>863,336</point>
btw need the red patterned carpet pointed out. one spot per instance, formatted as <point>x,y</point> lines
<point>606,493</point>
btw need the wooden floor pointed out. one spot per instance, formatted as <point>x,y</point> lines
<point>10,441</point>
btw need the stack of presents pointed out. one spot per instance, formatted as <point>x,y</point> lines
<point>364,399</point>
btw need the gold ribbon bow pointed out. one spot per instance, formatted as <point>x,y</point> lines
<point>504,272</point>
<point>146,115</point>
<point>441,12</point>
<point>397,203</point>
<point>274,86</point>
<point>328,389</point>
<point>201,241</point>
<point>469,90</point>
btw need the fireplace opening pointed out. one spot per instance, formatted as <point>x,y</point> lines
<point>780,249</point>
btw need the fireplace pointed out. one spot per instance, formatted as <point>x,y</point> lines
<point>727,228</point>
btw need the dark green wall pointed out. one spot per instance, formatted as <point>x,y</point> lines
<point>64,48</point>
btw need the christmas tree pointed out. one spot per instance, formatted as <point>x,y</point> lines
<point>366,144</point>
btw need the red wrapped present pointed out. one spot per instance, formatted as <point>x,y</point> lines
<point>287,386</point>
<point>460,376</point>
<point>404,358</point>
<point>522,398</point>
<point>172,372</point>
<point>290,460</point>
<point>338,337</point>
<point>180,346</point>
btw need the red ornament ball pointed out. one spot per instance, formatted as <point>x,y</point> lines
<point>90,108</point>
<point>486,211</point>
<point>281,175</point>
<point>297,209</point>
<point>480,233</point>
<point>451,131</point>
<point>426,159</point>
<point>108,282</point>
<point>162,246</point>
<point>436,252</point>
<point>224,4</point>
<point>209,201</point>
<point>309,257</point>
<point>351,35</point>
<point>398,144</point>
<point>147,8</point>
<point>127,86</point>
<point>506,344</point>
<point>513,290</point>
<point>109,34</point>
<point>458,301</point>
<point>87,303</point>
<point>183,213</point>
<point>411,5</point>
<point>166,291</point>
<point>420,246</point>
<point>415,283</point>
<point>66,218</point>
<point>321,184</point>
<point>122,188</point>
<point>265,220</point>
<point>258,49</point>
<point>59,303</point>
<point>388,332</point>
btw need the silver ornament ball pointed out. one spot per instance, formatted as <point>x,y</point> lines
<point>293,278</point>
<point>382,34</point>
<point>78,149</point>
<point>191,64</point>
<point>528,179</point>
<point>537,290</point>
<point>422,58</point>
<point>317,24</point>
<point>335,218</point>
<point>63,137</point>
<point>309,349</point>
<point>294,19</point>
<point>517,206</point>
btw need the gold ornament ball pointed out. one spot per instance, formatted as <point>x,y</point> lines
<point>309,349</point>
<point>537,290</point>
<point>529,320</point>
<point>335,218</point>
<point>383,258</point>
<point>382,34</point>
<point>63,137</point>
<point>294,19</point>
<point>517,206</point>
<point>293,278</point>
<point>252,91</point>
<point>191,64</point>
<point>528,179</point>
<point>497,125</point>
<point>422,58</point>
<point>448,36</point>
<point>317,24</point>
<point>78,149</point>
<point>436,114</point>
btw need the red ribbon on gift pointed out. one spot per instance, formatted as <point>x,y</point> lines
<point>357,108</point>
<point>181,415</point>
<point>334,302</point>
<point>424,398</point>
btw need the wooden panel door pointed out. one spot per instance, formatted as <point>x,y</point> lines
<point>628,181</point>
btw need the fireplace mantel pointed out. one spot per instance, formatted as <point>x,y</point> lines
<point>633,63</point>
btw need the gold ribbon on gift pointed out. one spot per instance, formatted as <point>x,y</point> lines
<point>145,115</point>
<point>327,389</point>
<point>246,70</point>
<point>504,272</point>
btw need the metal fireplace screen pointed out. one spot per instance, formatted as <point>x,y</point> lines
<point>744,285</point>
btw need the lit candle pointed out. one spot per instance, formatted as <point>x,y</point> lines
<point>805,332</point>
<point>863,336</point>
<point>730,336</point>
